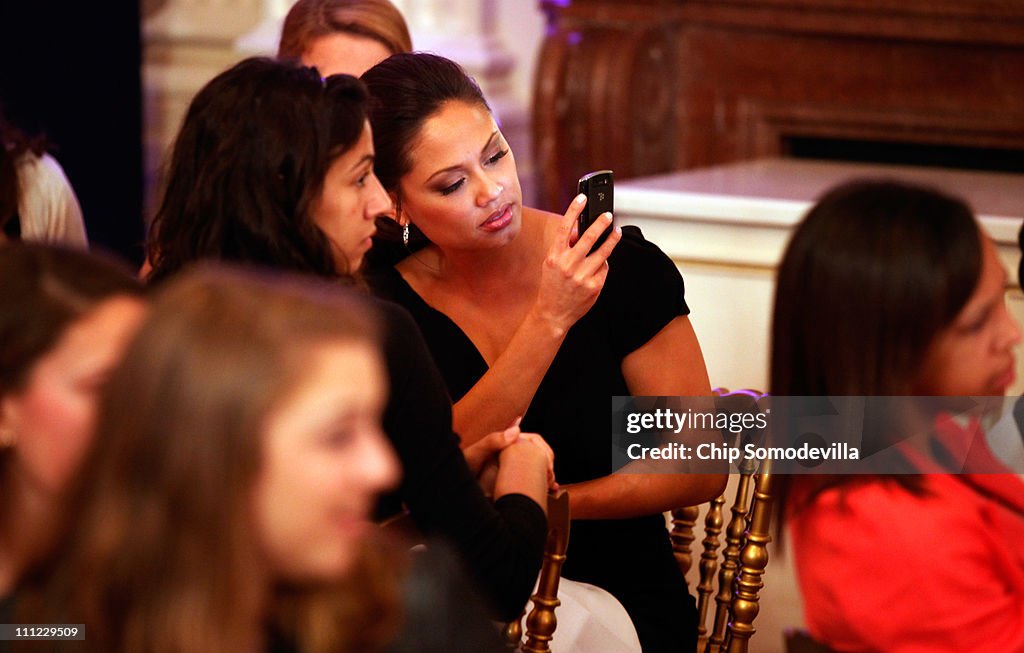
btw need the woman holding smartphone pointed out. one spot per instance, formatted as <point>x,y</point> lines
<point>522,321</point>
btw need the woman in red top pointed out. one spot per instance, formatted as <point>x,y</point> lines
<point>889,289</point>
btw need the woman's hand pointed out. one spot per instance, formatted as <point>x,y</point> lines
<point>526,467</point>
<point>482,455</point>
<point>572,279</point>
<point>485,450</point>
<point>538,441</point>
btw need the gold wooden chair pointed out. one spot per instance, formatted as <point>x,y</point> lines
<point>541,622</point>
<point>741,564</point>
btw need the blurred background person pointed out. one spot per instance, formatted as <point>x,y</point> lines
<point>37,202</point>
<point>85,93</point>
<point>343,36</point>
<point>65,316</point>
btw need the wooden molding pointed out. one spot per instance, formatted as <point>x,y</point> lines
<point>644,87</point>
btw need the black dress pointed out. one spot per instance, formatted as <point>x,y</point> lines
<point>631,558</point>
<point>500,544</point>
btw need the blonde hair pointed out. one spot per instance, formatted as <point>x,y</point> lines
<point>309,20</point>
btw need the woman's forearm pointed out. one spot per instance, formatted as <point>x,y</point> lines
<point>505,391</point>
<point>621,496</point>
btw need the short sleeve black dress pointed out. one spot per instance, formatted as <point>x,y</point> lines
<point>631,558</point>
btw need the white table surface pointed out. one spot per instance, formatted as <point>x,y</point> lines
<point>777,192</point>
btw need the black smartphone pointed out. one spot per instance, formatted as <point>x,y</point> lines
<point>598,187</point>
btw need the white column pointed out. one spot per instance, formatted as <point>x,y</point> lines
<point>263,39</point>
<point>465,31</point>
<point>186,43</point>
<point>208,21</point>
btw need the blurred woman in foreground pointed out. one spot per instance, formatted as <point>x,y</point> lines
<point>65,316</point>
<point>893,290</point>
<point>226,503</point>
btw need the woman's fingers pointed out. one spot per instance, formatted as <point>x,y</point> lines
<point>570,279</point>
<point>593,232</point>
<point>487,477</point>
<point>485,449</point>
<point>598,259</point>
<point>568,220</point>
<point>566,235</point>
<point>538,441</point>
<point>606,248</point>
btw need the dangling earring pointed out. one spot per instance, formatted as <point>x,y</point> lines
<point>398,219</point>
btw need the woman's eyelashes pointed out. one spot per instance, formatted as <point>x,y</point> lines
<point>448,190</point>
<point>364,176</point>
<point>489,161</point>
<point>498,156</point>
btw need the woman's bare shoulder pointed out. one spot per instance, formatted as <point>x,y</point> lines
<point>541,213</point>
<point>540,225</point>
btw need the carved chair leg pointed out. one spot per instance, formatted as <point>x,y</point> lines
<point>681,535</point>
<point>541,622</point>
<point>753,562</point>
<point>709,563</point>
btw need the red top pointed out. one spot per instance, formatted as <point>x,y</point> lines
<point>883,570</point>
